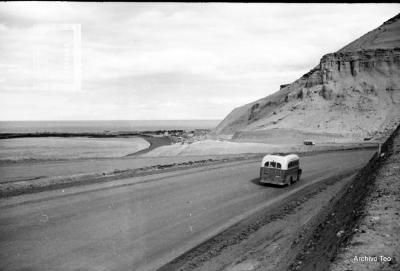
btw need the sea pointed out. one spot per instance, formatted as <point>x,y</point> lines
<point>100,126</point>
<point>41,149</point>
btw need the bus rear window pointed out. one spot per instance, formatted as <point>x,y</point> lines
<point>273,164</point>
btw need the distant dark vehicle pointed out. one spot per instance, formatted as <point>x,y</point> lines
<point>281,170</point>
<point>367,138</point>
<point>308,142</point>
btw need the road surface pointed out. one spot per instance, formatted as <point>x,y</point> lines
<point>141,223</point>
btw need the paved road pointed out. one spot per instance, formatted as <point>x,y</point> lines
<point>139,223</point>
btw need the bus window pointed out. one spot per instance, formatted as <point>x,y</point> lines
<point>278,165</point>
<point>273,164</point>
<point>266,164</point>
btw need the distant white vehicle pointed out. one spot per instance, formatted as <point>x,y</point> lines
<point>281,170</point>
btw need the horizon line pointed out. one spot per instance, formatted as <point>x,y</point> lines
<point>122,120</point>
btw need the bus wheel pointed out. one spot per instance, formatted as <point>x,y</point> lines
<point>299,174</point>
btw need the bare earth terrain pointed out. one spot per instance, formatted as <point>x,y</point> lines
<point>36,170</point>
<point>378,232</point>
<point>144,222</point>
<point>352,94</point>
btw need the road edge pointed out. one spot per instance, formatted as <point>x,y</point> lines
<point>318,253</point>
<point>273,207</point>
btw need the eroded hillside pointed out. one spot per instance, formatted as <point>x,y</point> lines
<point>352,94</point>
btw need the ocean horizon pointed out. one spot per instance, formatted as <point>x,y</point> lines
<point>98,126</point>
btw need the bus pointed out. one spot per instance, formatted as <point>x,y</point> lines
<point>280,170</point>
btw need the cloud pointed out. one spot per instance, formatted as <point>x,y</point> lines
<point>151,60</point>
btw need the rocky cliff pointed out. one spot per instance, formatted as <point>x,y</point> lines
<point>352,94</point>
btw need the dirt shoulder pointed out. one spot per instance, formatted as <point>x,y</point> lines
<point>364,224</point>
<point>375,244</point>
<point>302,232</point>
<point>269,239</point>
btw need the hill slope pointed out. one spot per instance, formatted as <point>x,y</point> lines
<point>352,94</point>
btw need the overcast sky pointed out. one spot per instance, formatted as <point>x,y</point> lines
<point>94,61</point>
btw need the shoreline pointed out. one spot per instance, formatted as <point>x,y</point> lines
<point>152,137</point>
<point>154,142</point>
<point>89,134</point>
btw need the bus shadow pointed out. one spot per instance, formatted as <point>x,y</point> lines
<point>256,181</point>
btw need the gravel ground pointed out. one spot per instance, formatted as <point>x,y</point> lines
<point>376,242</point>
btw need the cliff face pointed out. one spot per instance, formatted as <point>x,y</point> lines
<point>353,93</point>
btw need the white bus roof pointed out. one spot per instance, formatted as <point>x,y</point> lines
<point>283,160</point>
